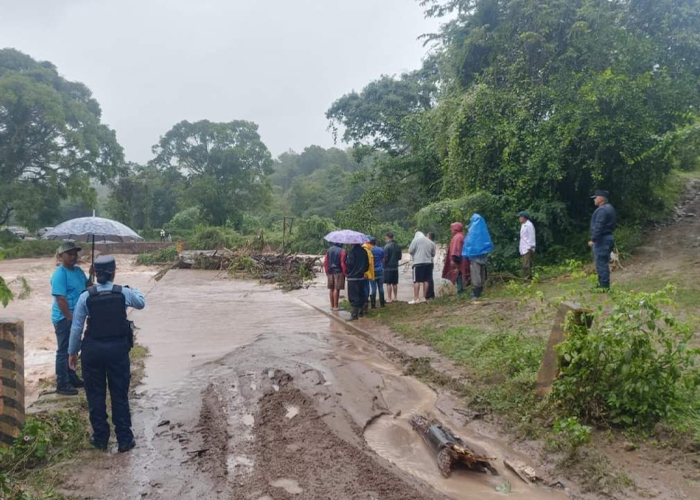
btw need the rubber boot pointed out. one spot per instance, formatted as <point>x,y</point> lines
<point>354,313</point>
<point>477,293</point>
<point>373,299</point>
<point>382,302</point>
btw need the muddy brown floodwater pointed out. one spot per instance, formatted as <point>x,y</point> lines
<point>251,393</point>
<point>35,310</point>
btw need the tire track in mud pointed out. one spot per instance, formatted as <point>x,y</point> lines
<point>304,458</point>
<point>214,431</point>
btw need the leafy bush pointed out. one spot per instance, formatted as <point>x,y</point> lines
<point>571,433</point>
<point>14,248</point>
<point>161,256</point>
<point>185,221</point>
<point>634,367</point>
<point>213,238</point>
<point>45,438</point>
<point>628,238</point>
<point>309,233</point>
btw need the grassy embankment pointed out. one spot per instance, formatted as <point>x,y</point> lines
<point>499,343</point>
<point>57,432</point>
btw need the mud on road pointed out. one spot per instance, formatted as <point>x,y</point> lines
<point>253,394</point>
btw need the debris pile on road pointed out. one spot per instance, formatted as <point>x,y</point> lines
<point>451,450</point>
<point>290,272</point>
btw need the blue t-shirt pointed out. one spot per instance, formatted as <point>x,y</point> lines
<point>69,284</point>
<point>378,253</point>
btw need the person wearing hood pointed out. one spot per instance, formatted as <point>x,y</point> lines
<point>456,268</point>
<point>422,252</point>
<point>356,264</point>
<point>477,247</point>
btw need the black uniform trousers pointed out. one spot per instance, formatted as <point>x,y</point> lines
<point>105,364</point>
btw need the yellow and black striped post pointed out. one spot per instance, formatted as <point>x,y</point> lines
<point>11,379</point>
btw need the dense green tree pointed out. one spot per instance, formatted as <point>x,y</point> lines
<point>536,102</point>
<point>52,141</point>
<point>226,167</point>
<point>146,197</point>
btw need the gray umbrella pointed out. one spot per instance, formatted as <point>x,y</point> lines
<point>90,229</point>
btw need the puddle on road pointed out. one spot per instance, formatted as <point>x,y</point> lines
<point>393,438</point>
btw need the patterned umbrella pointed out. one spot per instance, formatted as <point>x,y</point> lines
<point>91,228</point>
<point>346,237</point>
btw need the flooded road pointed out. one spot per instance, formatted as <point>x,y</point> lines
<point>252,393</point>
<point>35,310</point>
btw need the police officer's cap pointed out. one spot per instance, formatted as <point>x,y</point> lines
<point>601,192</point>
<point>105,264</point>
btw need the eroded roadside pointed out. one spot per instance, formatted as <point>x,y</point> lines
<point>278,401</point>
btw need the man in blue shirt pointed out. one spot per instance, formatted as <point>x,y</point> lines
<point>67,283</point>
<point>603,225</point>
<point>105,352</point>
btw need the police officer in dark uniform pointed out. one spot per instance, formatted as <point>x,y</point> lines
<point>105,352</point>
<point>603,224</point>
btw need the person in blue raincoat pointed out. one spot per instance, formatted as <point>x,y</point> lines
<point>477,247</point>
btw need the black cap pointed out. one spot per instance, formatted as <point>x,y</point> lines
<point>524,214</point>
<point>601,192</point>
<point>105,264</point>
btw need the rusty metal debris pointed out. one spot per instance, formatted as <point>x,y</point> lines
<point>451,450</point>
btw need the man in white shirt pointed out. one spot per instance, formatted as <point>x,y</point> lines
<point>528,243</point>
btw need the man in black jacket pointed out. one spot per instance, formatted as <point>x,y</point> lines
<point>357,264</point>
<point>603,225</point>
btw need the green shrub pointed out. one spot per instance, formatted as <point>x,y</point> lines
<point>185,221</point>
<point>14,248</point>
<point>308,235</point>
<point>45,438</point>
<point>162,256</point>
<point>628,238</point>
<point>634,367</point>
<point>213,238</point>
<point>571,434</point>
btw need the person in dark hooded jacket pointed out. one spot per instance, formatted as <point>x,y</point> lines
<point>357,264</point>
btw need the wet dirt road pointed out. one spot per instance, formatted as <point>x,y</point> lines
<point>254,394</point>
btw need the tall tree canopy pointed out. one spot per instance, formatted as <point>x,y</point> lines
<point>226,167</point>
<point>538,102</point>
<point>52,140</point>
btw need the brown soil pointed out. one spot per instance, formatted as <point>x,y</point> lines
<point>304,458</point>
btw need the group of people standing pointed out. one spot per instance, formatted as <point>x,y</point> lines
<point>368,267</point>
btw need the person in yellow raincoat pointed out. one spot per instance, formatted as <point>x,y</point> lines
<point>369,275</point>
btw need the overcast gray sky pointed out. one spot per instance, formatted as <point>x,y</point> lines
<point>279,63</point>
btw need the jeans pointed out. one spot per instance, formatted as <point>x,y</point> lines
<point>601,252</point>
<point>106,364</point>
<point>378,284</point>
<point>64,375</point>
